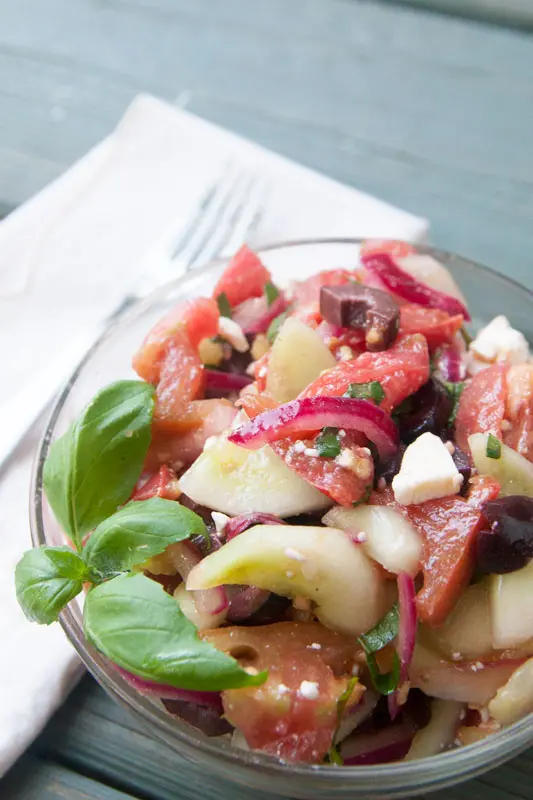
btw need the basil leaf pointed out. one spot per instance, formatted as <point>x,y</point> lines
<point>93,467</point>
<point>383,632</point>
<point>373,390</point>
<point>384,682</point>
<point>46,579</point>
<point>275,325</point>
<point>271,293</point>
<point>328,443</point>
<point>365,498</point>
<point>494,447</point>
<point>132,621</point>
<point>137,532</point>
<point>224,305</point>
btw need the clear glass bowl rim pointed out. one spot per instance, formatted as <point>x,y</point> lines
<point>467,761</point>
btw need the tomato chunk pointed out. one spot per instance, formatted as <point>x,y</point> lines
<point>437,326</point>
<point>162,484</point>
<point>244,277</point>
<point>449,527</point>
<point>394,248</point>
<point>281,717</point>
<point>482,405</point>
<point>181,379</point>
<point>520,409</point>
<point>401,370</point>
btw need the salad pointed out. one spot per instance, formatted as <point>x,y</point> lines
<point>308,526</point>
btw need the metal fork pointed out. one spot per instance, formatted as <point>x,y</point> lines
<point>229,210</point>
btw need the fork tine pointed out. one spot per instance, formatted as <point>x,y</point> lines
<point>248,221</point>
<point>231,222</point>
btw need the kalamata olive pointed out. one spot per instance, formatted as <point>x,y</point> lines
<point>388,469</point>
<point>355,305</point>
<point>208,719</point>
<point>431,408</point>
<point>460,459</point>
<point>508,544</point>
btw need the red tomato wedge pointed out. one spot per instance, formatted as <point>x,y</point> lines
<point>181,446</point>
<point>277,717</point>
<point>482,405</point>
<point>394,248</point>
<point>244,277</point>
<point>401,370</point>
<point>449,527</point>
<point>437,326</point>
<point>198,319</point>
<point>181,379</point>
<point>520,409</point>
<point>163,484</point>
<point>308,292</point>
<point>344,485</point>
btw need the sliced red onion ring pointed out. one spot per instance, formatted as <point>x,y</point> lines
<point>171,692</point>
<point>226,382</point>
<point>389,744</point>
<point>408,288</point>
<point>450,364</point>
<point>255,315</point>
<point>314,413</point>
<point>245,601</point>
<point>208,601</point>
<point>406,635</point>
<point>242,522</point>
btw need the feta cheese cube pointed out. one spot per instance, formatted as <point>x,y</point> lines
<point>427,472</point>
<point>231,332</point>
<point>498,341</point>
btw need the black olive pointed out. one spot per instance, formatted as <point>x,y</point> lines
<point>508,544</point>
<point>355,305</point>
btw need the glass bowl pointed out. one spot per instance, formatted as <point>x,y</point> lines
<point>488,294</point>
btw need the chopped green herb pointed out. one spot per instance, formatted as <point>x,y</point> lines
<point>271,292</point>
<point>382,633</point>
<point>365,498</point>
<point>334,757</point>
<point>454,391</point>
<point>467,339</point>
<point>328,443</point>
<point>366,391</point>
<point>494,447</point>
<point>384,682</point>
<point>224,305</point>
<point>275,325</point>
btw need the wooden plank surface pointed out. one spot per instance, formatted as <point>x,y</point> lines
<point>432,113</point>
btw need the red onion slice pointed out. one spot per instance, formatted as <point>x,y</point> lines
<point>314,413</point>
<point>213,601</point>
<point>389,744</point>
<point>245,601</point>
<point>170,692</point>
<point>405,645</point>
<point>450,364</point>
<point>242,522</point>
<point>408,288</point>
<point>255,315</point>
<point>227,382</point>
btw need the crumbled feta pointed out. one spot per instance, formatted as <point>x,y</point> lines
<point>312,452</point>
<point>282,689</point>
<point>498,341</point>
<point>309,690</point>
<point>345,353</point>
<point>342,434</point>
<point>346,458</point>
<point>220,520</point>
<point>360,537</point>
<point>232,332</point>
<point>427,472</point>
<point>360,466</point>
<point>299,447</point>
<point>295,555</point>
<point>315,646</point>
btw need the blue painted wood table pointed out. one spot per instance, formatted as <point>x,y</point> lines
<point>431,112</point>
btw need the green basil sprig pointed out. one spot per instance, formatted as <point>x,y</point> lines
<point>46,579</point>
<point>373,390</point>
<point>137,625</point>
<point>376,639</point>
<point>328,443</point>
<point>271,292</point>
<point>93,467</point>
<point>137,532</point>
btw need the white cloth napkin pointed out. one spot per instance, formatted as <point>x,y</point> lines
<point>69,254</point>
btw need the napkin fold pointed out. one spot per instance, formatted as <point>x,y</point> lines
<point>69,254</point>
